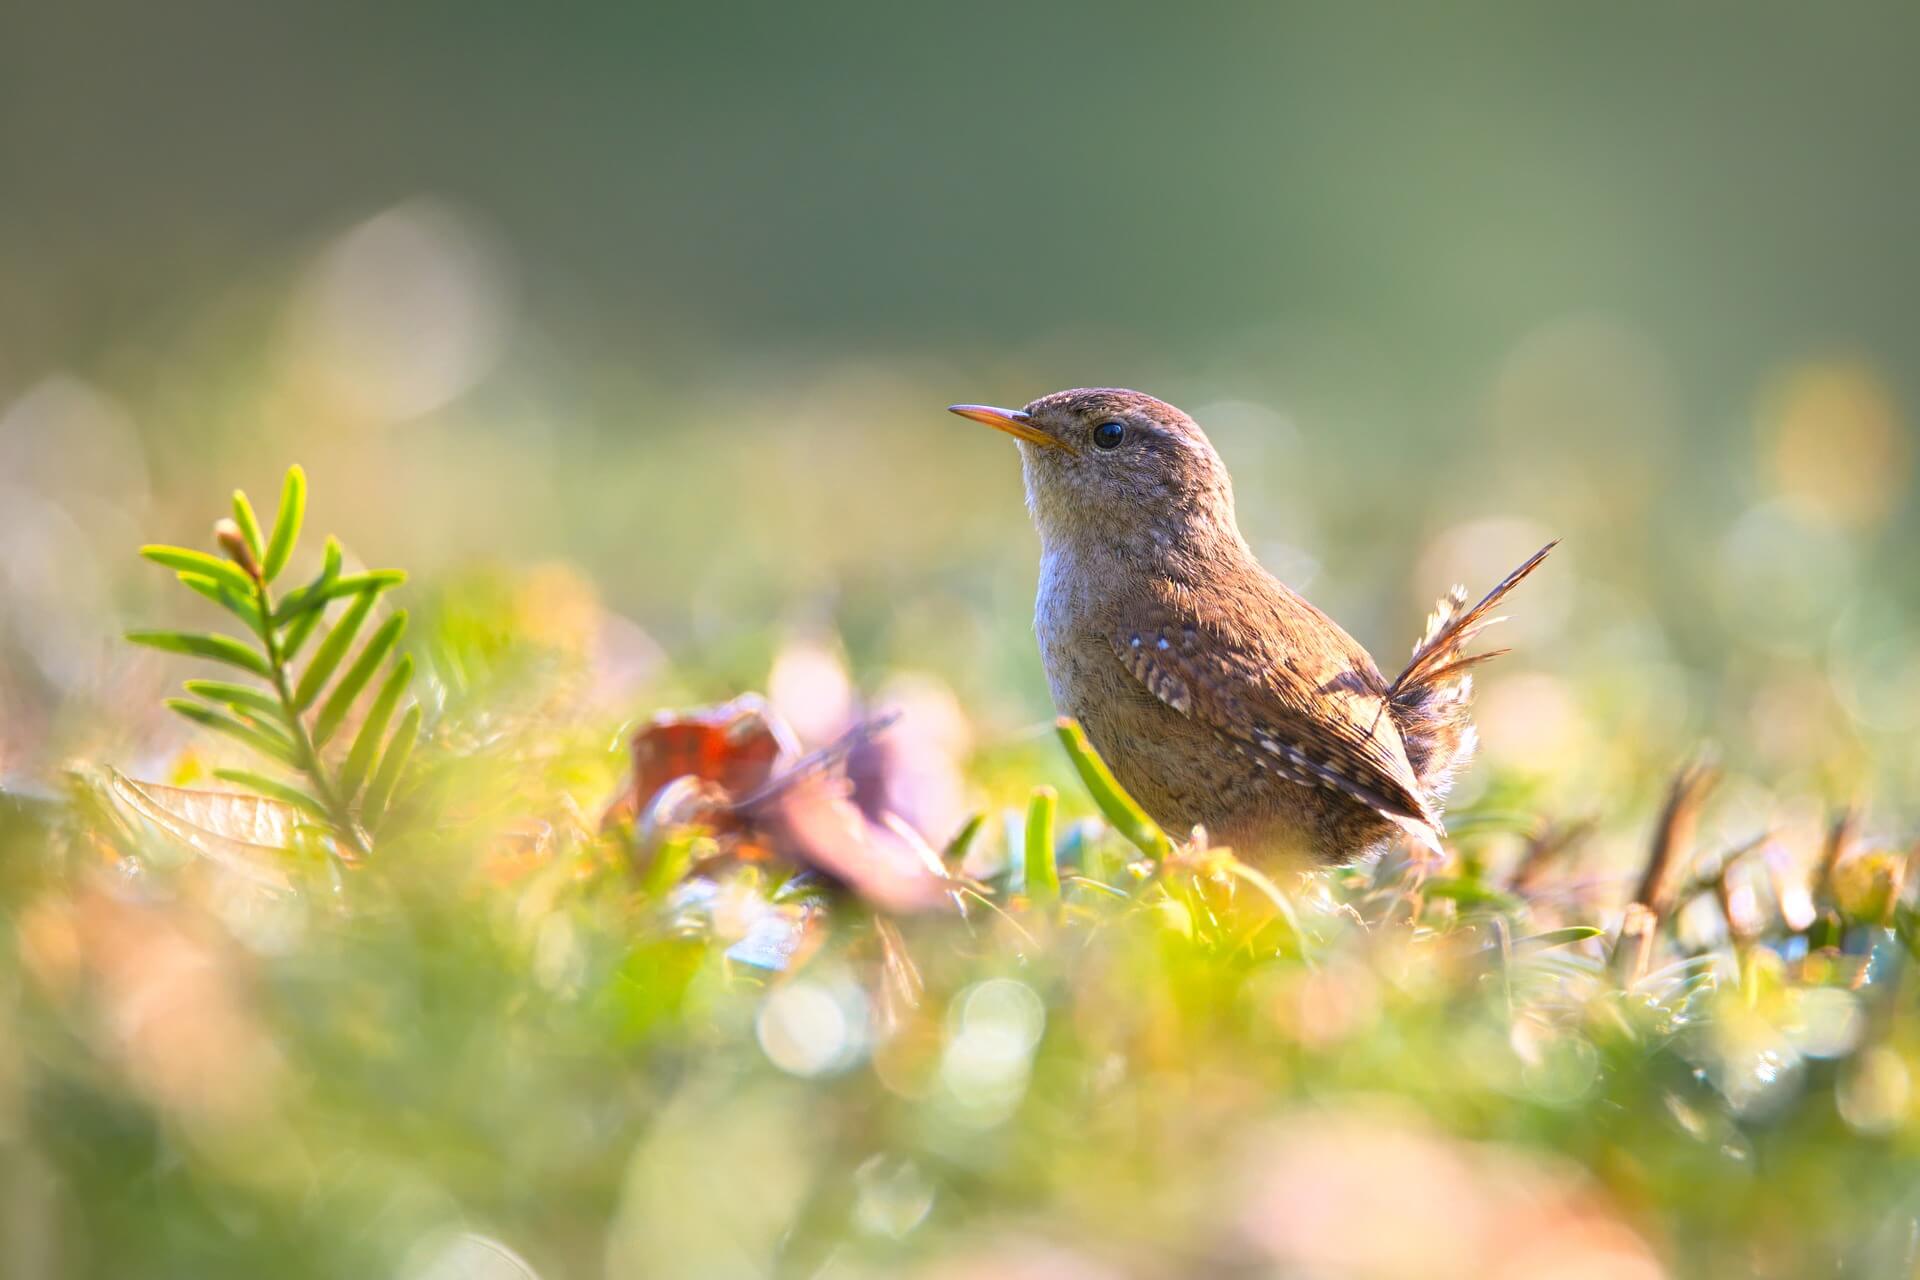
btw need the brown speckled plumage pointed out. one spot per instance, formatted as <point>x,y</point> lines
<point>1218,696</point>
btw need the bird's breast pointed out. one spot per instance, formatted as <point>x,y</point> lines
<point>1061,610</point>
<point>1075,613</point>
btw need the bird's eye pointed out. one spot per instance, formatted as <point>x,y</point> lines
<point>1108,435</point>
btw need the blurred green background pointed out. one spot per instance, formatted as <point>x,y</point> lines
<point>628,330</point>
<point>674,295</point>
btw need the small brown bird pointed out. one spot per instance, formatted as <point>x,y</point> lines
<point>1218,696</point>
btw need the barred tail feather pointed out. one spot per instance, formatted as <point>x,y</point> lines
<point>1431,698</point>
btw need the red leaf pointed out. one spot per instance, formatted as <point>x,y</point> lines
<point>735,746</point>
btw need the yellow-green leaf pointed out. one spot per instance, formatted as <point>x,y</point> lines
<point>217,648</point>
<point>241,606</point>
<point>278,791</point>
<point>373,728</point>
<point>318,594</point>
<point>254,702</point>
<point>1119,808</point>
<point>327,657</point>
<point>286,524</point>
<point>269,742</point>
<point>186,560</point>
<point>340,701</point>
<point>1036,851</point>
<point>392,764</point>
<point>248,522</point>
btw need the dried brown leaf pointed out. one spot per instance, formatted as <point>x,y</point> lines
<point>1674,834</point>
<point>248,834</point>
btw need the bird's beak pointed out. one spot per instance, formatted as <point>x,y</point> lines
<point>1012,421</point>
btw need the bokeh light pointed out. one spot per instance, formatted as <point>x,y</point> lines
<point>627,334</point>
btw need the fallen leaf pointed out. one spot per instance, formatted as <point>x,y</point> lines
<point>735,746</point>
<point>733,771</point>
<point>814,824</point>
<point>248,834</point>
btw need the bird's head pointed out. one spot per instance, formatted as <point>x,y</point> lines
<point>1116,466</point>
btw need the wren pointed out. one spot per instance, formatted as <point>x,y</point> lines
<point>1219,697</point>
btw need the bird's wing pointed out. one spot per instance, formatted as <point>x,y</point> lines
<point>1306,712</point>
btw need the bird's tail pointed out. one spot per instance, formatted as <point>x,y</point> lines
<point>1430,698</point>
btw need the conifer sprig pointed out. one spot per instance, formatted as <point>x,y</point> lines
<point>291,713</point>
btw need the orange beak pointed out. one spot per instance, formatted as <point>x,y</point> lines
<point>1012,421</point>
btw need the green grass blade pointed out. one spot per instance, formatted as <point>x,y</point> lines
<point>254,702</point>
<point>1559,937</point>
<point>278,791</point>
<point>331,650</point>
<point>1042,872</point>
<point>367,741</point>
<point>186,560</point>
<point>268,742</point>
<point>956,851</point>
<point>241,607</point>
<point>1119,808</point>
<point>217,648</point>
<point>392,764</point>
<point>286,524</point>
<point>340,701</point>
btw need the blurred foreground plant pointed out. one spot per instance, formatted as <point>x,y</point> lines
<point>753,1022</point>
<point>283,714</point>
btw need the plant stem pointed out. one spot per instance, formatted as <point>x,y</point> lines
<point>324,788</point>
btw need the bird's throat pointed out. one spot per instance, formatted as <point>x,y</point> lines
<point>1111,555</point>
